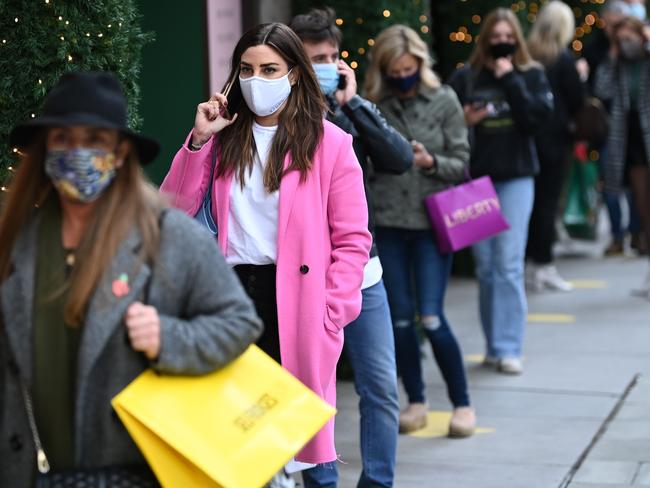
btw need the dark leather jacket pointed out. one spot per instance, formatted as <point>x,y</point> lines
<point>378,147</point>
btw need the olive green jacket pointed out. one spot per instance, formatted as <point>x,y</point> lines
<point>434,117</point>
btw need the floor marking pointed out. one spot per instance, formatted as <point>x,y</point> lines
<point>589,284</point>
<point>438,426</point>
<point>474,358</point>
<point>551,318</point>
<point>478,358</point>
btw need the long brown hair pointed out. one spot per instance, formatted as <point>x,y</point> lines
<point>300,125</point>
<point>521,59</point>
<point>130,201</point>
<point>630,23</point>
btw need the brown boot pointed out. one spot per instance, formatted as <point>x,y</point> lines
<point>413,418</point>
<point>463,422</point>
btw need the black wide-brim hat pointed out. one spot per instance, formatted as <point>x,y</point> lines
<point>85,98</point>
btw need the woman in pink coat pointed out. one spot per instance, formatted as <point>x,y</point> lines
<point>289,204</point>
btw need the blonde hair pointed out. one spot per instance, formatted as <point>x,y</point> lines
<point>521,59</point>
<point>552,32</point>
<point>130,201</point>
<point>391,44</point>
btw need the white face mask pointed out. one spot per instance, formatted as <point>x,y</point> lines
<point>264,97</point>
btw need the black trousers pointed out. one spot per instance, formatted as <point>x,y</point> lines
<point>259,283</point>
<point>553,160</point>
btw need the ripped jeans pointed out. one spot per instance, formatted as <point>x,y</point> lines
<point>416,276</point>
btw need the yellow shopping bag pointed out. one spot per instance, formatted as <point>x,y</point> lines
<point>234,428</point>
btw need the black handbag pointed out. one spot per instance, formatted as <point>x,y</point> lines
<point>106,477</point>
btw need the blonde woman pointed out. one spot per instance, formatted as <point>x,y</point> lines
<point>507,99</point>
<point>548,43</point>
<point>410,96</point>
<point>98,282</point>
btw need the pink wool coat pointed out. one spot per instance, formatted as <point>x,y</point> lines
<point>323,246</point>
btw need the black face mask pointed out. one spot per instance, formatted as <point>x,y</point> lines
<point>502,50</point>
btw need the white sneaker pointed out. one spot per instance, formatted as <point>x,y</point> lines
<point>644,289</point>
<point>548,277</point>
<point>511,365</point>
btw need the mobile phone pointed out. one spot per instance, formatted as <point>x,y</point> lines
<point>343,82</point>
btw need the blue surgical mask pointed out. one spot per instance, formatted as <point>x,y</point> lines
<point>404,84</point>
<point>637,10</point>
<point>80,174</point>
<point>328,77</point>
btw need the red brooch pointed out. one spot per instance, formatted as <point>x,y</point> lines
<point>121,286</point>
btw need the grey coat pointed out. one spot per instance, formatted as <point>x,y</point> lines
<point>434,118</point>
<point>206,320</point>
<point>612,86</point>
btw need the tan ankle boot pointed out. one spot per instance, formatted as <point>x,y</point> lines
<point>414,417</point>
<point>463,422</point>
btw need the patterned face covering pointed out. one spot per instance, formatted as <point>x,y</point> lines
<point>80,174</point>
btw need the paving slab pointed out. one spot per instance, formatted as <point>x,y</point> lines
<point>643,476</point>
<point>599,471</point>
<point>543,421</point>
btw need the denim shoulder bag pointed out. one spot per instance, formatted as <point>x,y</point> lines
<point>204,214</point>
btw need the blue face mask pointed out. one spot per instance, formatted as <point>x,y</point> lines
<point>637,10</point>
<point>328,76</point>
<point>404,84</point>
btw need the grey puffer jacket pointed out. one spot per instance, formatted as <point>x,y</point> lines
<point>206,320</point>
<point>434,118</point>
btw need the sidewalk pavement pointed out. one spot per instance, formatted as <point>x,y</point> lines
<point>579,417</point>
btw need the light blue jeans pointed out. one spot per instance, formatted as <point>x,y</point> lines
<point>370,347</point>
<point>500,271</point>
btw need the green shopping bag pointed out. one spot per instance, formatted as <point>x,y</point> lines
<point>581,211</point>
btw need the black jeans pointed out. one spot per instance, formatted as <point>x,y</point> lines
<point>259,283</point>
<point>553,159</point>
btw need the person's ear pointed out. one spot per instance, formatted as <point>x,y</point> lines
<point>124,148</point>
<point>294,77</point>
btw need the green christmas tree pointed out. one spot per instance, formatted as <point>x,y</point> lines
<point>456,24</point>
<point>42,39</point>
<point>450,27</point>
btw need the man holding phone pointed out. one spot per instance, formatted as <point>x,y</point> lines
<point>369,340</point>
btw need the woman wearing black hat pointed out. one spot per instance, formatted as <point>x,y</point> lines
<point>94,289</point>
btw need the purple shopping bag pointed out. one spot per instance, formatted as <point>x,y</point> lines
<point>465,214</point>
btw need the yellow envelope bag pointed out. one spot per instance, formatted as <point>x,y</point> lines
<point>234,428</point>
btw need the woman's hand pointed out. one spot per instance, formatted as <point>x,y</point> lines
<point>421,157</point>
<point>502,66</point>
<point>582,67</point>
<point>143,326</point>
<point>474,115</point>
<point>210,119</point>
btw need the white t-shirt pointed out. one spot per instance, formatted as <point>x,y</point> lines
<point>253,215</point>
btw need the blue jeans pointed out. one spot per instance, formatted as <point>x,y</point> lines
<point>613,203</point>
<point>371,349</point>
<point>500,271</point>
<point>414,271</point>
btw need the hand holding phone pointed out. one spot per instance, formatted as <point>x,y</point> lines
<point>347,83</point>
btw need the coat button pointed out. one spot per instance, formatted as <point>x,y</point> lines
<point>15,443</point>
<point>304,269</point>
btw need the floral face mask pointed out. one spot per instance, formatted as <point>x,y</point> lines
<point>80,174</point>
